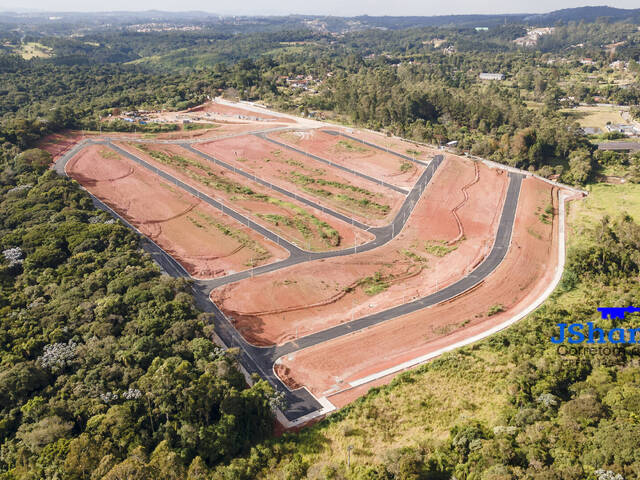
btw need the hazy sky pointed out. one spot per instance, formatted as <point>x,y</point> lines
<point>325,7</point>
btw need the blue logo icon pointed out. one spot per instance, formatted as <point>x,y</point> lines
<point>616,312</point>
<point>588,333</point>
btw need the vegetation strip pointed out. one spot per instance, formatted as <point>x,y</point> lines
<point>306,223</point>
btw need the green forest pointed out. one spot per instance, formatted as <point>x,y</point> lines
<point>109,371</point>
<point>104,358</point>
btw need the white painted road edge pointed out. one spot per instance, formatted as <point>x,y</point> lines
<point>534,305</point>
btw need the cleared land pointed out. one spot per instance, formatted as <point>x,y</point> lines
<point>239,113</point>
<point>307,227</point>
<point>57,144</point>
<point>392,143</point>
<point>529,266</point>
<point>364,200</point>
<point>206,242</point>
<point>222,130</point>
<point>450,231</point>
<point>31,50</point>
<point>354,155</point>
<point>594,116</point>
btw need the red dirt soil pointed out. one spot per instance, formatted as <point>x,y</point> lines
<point>181,224</point>
<point>252,207</point>
<point>523,275</point>
<point>277,165</point>
<point>306,298</point>
<point>223,130</point>
<point>395,144</point>
<point>57,144</point>
<point>237,112</point>
<point>359,157</point>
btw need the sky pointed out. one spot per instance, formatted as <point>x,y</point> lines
<point>324,7</point>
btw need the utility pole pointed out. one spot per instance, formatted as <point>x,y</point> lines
<point>349,448</point>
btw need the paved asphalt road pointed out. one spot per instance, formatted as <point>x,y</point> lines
<point>261,360</point>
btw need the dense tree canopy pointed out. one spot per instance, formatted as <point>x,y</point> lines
<point>99,353</point>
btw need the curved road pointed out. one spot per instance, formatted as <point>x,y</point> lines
<point>262,359</point>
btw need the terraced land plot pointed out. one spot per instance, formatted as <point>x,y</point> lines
<point>389,142</point>
<point>522,276</point>
<point>203,240</point>
<point>354,155</point>
<point>309,228</point>
<point>359,198</point>
<point>451,231</point>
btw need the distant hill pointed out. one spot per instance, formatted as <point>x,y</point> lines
<point>334,24</point>
<point>587,14</point>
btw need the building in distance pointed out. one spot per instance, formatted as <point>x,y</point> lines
<point>491,76</point>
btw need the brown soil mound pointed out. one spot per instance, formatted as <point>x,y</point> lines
<point>57,144</point>
<point>222,130</point>
<point>239,113</point>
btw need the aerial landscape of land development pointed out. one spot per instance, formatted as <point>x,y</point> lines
<point>338,241</point>
<point>333,257</point>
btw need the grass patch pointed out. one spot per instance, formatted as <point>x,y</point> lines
<point>309,184</point>
<point>108,154</point>
<point>594,116</point>
<point>374,284</point>
<point>363,203</point>
<point>199,126</point>
<point>605,199</point>
<point>306,180</point>
<point>351,146</point>
<point>547,215</point>
<point>261,252</point>
<point>533,233</point>
<point>495,309</point>
<point>413,256</point>
<point>439,248</point>
<point>404,166</point>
